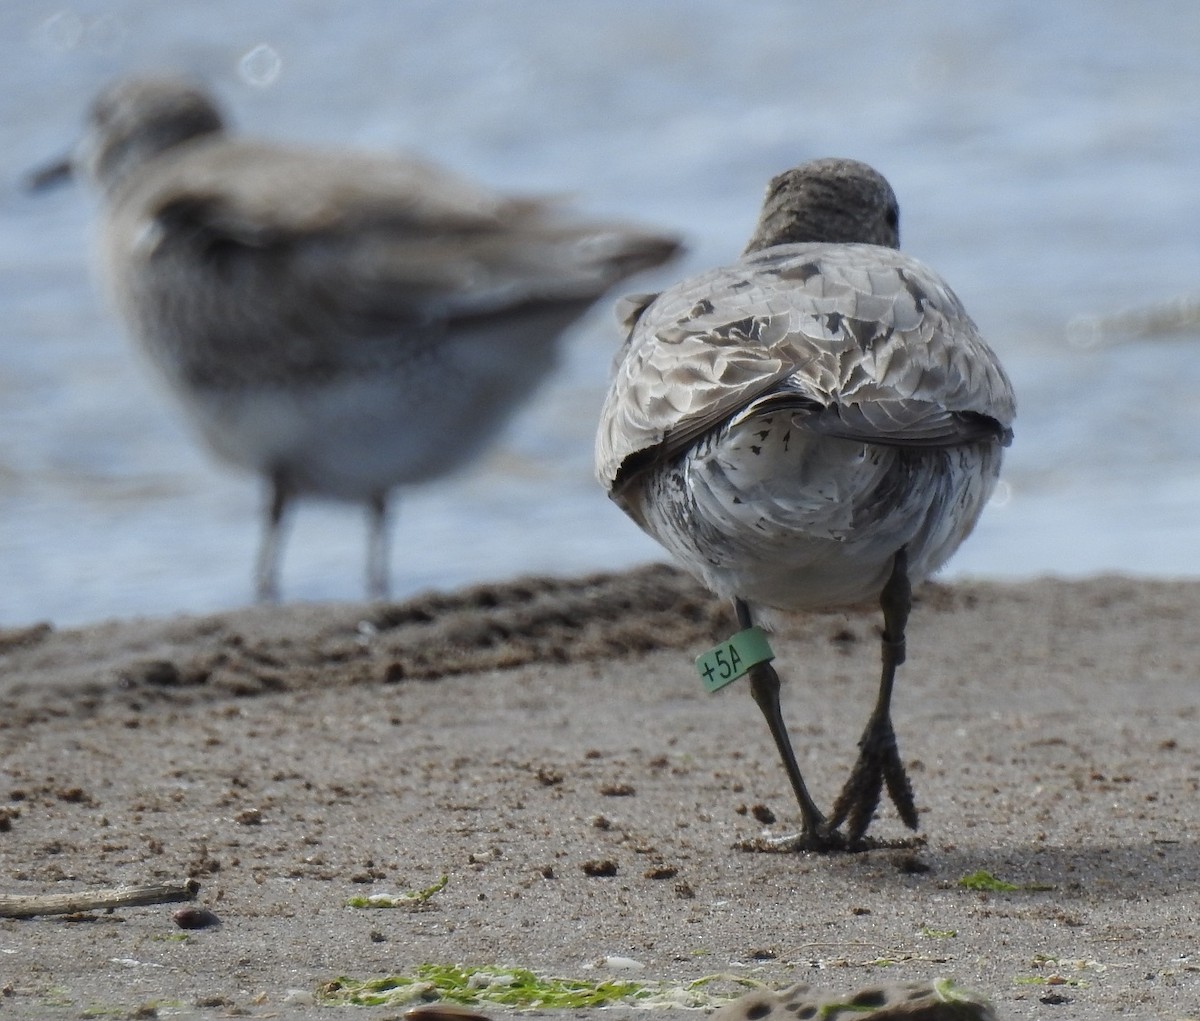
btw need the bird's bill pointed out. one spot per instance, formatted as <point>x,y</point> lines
<point>50,175</point>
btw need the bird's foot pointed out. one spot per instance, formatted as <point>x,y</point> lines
<point>878,764</point>
<point>821,841</point>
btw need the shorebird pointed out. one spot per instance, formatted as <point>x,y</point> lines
<point>815,426</point>
<point>339,323</point>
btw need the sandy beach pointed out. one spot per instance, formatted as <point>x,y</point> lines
<point>545,746</point>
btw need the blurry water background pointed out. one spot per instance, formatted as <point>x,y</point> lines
<point>1047,159</point>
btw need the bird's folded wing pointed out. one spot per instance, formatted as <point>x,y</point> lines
<point>888,422</point>
<point>391,239</point>
<point>860,341</point>
<point>269,190</point>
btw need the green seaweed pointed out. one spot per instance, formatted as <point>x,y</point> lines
<point>949,991</point>
<point>1048,980</point>
<point>57,996</point>
<point>517,988</point>
<point>986,882</point>
<point>1057,978</point>
<point>412,899</point>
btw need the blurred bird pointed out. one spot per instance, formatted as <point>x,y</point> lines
<point>340,323</point>
<point>816,425</point>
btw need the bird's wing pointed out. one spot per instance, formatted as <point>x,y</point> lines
<point>855,340</point>
<point>394,239</point>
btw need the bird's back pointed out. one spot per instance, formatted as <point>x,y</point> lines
<point>784,424</point>
<point>867,333</point>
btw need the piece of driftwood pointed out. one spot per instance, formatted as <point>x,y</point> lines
<point>32,905</point>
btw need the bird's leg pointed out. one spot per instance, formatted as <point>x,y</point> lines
<point>879,758</point>
<point>377,546</point>
<point>266,570</point>
<point>814,835</point>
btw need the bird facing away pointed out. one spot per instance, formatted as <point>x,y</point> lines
<point>339,323</point>
<point>816,425</point>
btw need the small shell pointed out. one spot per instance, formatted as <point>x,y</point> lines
<point>443,1012</point>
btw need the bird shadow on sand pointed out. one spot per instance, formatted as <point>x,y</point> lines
<point>1113,870</point>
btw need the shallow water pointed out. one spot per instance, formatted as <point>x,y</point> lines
<point>1047,158</point>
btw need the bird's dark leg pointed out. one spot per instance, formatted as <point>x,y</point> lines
<point>815,835</point>
<point>879,758</point>
<point>377,546</point>
<point>266,570</point>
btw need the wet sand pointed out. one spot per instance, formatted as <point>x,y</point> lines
<point>546,746</point>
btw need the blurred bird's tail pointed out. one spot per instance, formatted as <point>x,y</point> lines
<point>618,252</point>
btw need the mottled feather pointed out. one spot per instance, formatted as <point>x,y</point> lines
<point>817,424</point>
<point>784,424</point>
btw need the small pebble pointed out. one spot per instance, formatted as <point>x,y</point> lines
<point>762,814</point>
<point>195,918</point>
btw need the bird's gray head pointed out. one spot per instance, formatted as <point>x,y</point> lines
<point>137,119</point>
<point>835,201</point>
